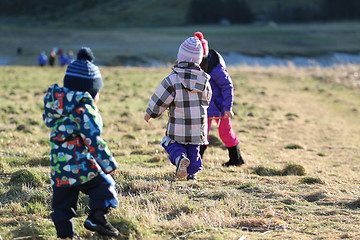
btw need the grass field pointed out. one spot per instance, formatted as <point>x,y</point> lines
<point>299,134</point>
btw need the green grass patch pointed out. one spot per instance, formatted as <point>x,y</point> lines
<point>311,180</point>
<point>293,146</point>
<point>267,171</point>
<point>29,177</point>
<point>129,228</point>
<point>293,169</point>
<point>289,169</point>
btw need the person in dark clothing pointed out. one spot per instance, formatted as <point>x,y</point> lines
<point>52,58</point>
<point>220,108</point>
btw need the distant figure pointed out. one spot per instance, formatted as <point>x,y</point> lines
<point>42,59</point>
<point>70,57</point>
<point>52,58</point>
<point>62,58</point>
<point>19,51</point>
<point>220,108</point>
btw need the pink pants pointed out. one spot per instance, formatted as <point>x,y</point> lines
<point>226,134</point>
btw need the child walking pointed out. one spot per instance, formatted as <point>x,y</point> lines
<point>220,108</point>
<point>186,93</point>
<point>80,159</point>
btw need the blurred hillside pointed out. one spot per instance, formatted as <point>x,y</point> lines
<point>93,13</point>
<point>135,13</point>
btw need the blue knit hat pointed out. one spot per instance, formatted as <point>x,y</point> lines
<point>82,75</point>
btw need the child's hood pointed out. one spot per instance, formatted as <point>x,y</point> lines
<point>59,102</point>
<point>192,79</point>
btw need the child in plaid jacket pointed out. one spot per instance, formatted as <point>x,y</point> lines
<point>186,93</point>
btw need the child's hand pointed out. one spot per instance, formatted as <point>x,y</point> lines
<point>228,114</point>
<point>147,117</point>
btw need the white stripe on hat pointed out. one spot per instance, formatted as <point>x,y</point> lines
<point>190,51</point>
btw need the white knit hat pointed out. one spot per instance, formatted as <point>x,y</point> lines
<point>191,50</point>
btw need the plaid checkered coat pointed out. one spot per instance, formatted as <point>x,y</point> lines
<point>186,93</point>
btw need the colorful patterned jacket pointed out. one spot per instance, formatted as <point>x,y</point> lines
<point>78,153</point>
<point>186,92</point>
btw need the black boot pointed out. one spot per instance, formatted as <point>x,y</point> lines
<point>235,157</point>
<point>202,150</point>
<point>97,222</point>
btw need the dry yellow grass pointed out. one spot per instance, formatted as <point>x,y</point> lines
<point>275,109</point>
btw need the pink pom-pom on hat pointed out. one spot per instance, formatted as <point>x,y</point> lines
<point>199,35</point>
<point>204,42</point>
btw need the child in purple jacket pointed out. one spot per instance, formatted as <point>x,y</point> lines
<point>186,93</point>
<point>220,108</point>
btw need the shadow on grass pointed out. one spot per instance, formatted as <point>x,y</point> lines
<point>29,230</point>
<point>214,141</point>
<point>353,205</point>
<point>128,228</point>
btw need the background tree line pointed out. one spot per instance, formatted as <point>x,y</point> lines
<point>240,11</point>
<point>131,13</point>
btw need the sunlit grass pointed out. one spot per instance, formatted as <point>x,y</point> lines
<point>314,188</point>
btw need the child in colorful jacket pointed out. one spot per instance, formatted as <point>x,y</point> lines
<point>186,93</point>
<point>80,158</point>
<point>220,108</point>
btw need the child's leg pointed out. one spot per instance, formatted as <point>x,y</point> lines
<point>64,204</point>
<point>101,192</point>
<point>231,141</point>
<point>175,150</point>
<point>178,157</point>
<point>227,135</point>
<point>102,196</point>
<point>194,157</point>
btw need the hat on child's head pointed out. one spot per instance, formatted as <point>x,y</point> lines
<point>204,42</point>
<point>191,51</point>
<point>82,75</point>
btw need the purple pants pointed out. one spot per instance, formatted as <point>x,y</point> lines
<point>226,134</point>
<point>188,150</point>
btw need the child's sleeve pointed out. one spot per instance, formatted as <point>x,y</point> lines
<point>161,99</point>
<point>207,94</point>
<point>224,82</point>
<point>90,132</point>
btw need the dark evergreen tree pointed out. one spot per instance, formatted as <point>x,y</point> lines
<point>341,10</point>
<point>238,11</point>
<point>204,11</point>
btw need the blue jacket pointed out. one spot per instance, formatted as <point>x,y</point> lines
<point>78,153</point>
<point>221,86</point>
<point>42,59</point>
